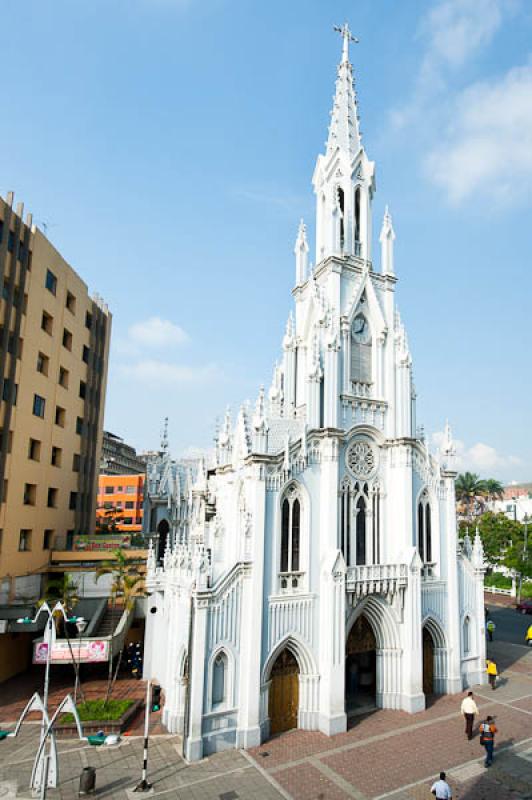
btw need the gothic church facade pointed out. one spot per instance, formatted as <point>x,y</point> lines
<point>313,571</point>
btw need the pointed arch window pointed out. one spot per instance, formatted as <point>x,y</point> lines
<point>424,529</point>
<point>290,561</point>
<point>219,679</point>
<point>357,222</point>
<point>360,522</point>
<point>341,206</point>
<point>466,634</point>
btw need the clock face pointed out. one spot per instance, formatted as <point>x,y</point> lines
<point>360,329</point>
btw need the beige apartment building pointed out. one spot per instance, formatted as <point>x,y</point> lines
<point>54,345</point>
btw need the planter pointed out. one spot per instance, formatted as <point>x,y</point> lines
<point>68,730</point>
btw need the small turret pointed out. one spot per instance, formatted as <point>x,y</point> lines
<point>260,425</point>
<point>301,250</point>
<point>387,238</point>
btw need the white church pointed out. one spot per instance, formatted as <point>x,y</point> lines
<point>313,571</point>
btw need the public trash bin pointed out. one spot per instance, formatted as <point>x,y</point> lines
<point>87,780</point>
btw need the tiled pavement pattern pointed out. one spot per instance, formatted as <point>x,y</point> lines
<point>384,755</point>
<point>398,755</point>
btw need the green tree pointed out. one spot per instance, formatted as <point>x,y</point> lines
<point>125,586</point>
<point>494,489</point>
<point>107,519</point>
<point>498,534</point>
<point>469,487</point>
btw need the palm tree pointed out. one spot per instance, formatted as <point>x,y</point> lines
<point>125,585</point>
<point>470,488</point>
<point>494,489</point>
<point>65,591</point>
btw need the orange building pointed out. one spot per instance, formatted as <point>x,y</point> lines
<point>120,503</point>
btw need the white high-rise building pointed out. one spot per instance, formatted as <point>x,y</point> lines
<point>315,570</point>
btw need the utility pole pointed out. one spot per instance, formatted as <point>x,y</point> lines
<point>144,786</point>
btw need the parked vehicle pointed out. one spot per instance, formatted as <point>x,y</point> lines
<point>524,607</point>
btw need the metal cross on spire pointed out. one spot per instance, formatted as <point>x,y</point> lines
<point>347,36</point>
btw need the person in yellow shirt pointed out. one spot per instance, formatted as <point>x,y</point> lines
<point>491,669</point>
<point>529,636</point>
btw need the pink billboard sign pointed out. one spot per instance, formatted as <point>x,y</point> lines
<point>86,651</point>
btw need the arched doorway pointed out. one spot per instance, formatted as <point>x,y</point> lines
<point>283,697</point>
<point>163,529</point>
<point>360,667</point>
<point>428,662</point>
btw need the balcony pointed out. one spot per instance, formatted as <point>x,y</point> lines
<point>386,579</point>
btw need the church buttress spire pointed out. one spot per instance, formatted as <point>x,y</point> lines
<point>301,253</point>
<point>387,238</point>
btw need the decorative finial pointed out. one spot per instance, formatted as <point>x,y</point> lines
<point>164,440</point>
<point>347,37</point>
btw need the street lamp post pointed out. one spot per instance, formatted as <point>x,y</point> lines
<point>81,624</point>
<point>41,773</point>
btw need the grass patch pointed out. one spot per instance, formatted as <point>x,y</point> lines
<point>96,710</point>
<point>498,580</point>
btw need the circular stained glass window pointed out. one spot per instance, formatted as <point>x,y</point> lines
<point>361,459</point>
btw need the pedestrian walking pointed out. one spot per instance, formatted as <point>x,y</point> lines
<point>491,669</point>
<point>441,789</point>
<point>487,739</point>
<point>490,627</point>
<point>469,709</point>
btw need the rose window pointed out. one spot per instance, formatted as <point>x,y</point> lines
<point>361,459</point>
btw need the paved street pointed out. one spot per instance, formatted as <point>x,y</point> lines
<point>384,755</point>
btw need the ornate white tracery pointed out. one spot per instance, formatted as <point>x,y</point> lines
<point>361,459</point>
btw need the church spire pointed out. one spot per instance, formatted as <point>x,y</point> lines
<point>344,131</point>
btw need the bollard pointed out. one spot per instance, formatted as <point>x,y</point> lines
<point>87,781</point>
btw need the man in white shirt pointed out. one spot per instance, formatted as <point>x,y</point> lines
<point>469,709</point>
<point>441,789</point>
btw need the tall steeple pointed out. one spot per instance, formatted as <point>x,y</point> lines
<point>344,130</point>
<point>344,178</point>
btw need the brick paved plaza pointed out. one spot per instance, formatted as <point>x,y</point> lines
<point>384,754</point>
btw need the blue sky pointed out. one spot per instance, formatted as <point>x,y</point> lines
<point>170,144</point>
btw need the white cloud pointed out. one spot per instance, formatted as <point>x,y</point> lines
<point>165,373</point>
<point>489,141</point>
<point>454,32</point>
<point>157,332</point>
<point>480,457</point>
<point>457,29</point>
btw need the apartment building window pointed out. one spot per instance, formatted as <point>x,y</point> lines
<point>88,320</point>
<point>24,541</point>
<point>109,489</point>
<point>82,389</point>
<point>63,377</point>
<point>79,425</point>
<point>47,323</point>
<point>139,520</point>
<point>39,404</point>
<point>130,504</point>
<point>76,461</point>
<point>34,450</point>
<point>85,354</point>
<point>9,391</point>
<point>130,489</point>
<point>60,416</point>
<point>48,539</point>
<point>43,362</point>
<point>127,521</point>
<point>57,455</point>
<point>11,241</point>
<point>51,501</point>
<point>71,302</point>
<point>51,282</point>
<point>67,339</point>
<point>73,501</point>
<point>9,439</point>
<point>30,494</point>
